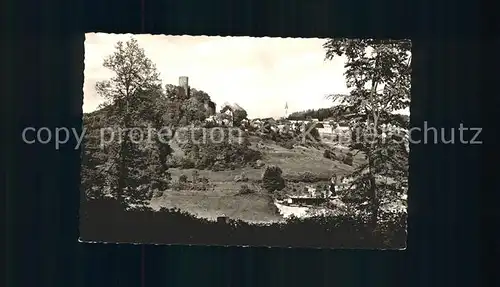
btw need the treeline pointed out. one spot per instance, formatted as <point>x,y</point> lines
<point>332,113</point>
<point>341,114</point>
<point>106,220</point>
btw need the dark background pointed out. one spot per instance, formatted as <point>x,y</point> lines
<point>43,73</point>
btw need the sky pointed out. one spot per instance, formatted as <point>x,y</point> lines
<point>259,74</point>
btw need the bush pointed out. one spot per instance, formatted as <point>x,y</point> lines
<point>178,186</point>
<point>329,154</point>
<point>217,167</point>
<point>347,160</point>
<point>242,177</point>
<point>280,195</point>
<point>195,175</point>
<point>183,178</point>
<point>307,176</point>
<point>201,184</point>
<point>186,163</point>
<point>228,151</point>
<point>272,179</point>
<point>146,225</point>
<point>287,144</point>
<point>245,189</point>
<point>203,179</point>
<point>157,193</point>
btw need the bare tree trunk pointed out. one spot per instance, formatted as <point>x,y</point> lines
<point>122,167</point>
<point>373,187</point>
<point>373,195</point>
<point>122,173</point>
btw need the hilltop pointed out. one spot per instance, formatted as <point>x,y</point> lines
<point>221,169</point>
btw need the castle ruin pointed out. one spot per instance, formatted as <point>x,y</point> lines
<point>210,106</point>
<point>184,83</point>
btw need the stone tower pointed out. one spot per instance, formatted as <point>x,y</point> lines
<point>184,83</point>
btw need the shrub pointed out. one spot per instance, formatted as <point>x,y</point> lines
<point>230,151</point>
<point>287,144</point>
<point>272,179</point>
<point>157,193</point>
<point>347,160</point>
<point>245,189</point>
<point>183,178</point>
<point>203,180</point>
<point>326,154</point>
<point>329,154</point>
<point>202,184</point>
<point>217,167</point>
<point>339,231</point>
<point>280,195</point>
<point>308,176</point>
<point>195,175</point>
<point>242,177</point>
<point>238,116</point>
<point>186,163</point>
<point>178,185</point>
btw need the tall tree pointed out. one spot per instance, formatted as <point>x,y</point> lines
<point>129,95</point>
<point>238,116</point>
<point>378,72</point>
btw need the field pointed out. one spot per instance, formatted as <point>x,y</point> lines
<point>222,198</point>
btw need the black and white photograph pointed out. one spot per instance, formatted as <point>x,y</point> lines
<point>242,141</point>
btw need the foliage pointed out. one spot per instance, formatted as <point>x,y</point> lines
<point>134,98</point>
<point>128,170</point>
<point>134,72</point>
<point>378,73</point>
<point>182,110</point>
<point>332,113</point>
<point>347,159</point>
<point>195,175</point>
<point>217,148</point>
<point>245,189</point>
<point>307,176</point>
<point>241,178</point>
<point>238,116</point>
<point>144,224</point>
<point>272,179</point>
<point>183,178</point>
<point>201,184</point>
<point>289,144</point>
<point>329,154</point>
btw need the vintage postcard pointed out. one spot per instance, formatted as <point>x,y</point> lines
<point>241,141</point>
